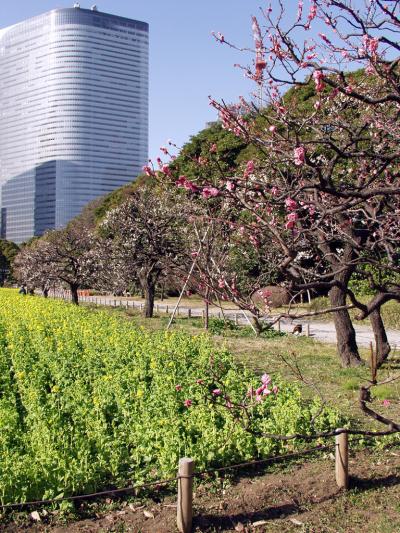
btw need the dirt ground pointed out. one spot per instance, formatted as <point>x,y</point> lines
<point>301,497</point>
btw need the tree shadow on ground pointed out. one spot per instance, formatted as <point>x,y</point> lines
<point>363,484</point>
<point>285,510</point>
<point>230,521</point>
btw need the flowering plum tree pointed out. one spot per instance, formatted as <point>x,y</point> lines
<point>324,190</point>
<point>143,238</point>
<point>59,257</point>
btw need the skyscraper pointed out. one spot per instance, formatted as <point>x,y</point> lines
<point>73,114</point>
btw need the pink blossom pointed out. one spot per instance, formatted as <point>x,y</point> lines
<point>299,156</point>
<point>266,379</point>
<point>229,404</point>
<point>190,186</point>
<point>318,78</point>
<point>164,150</point>
<point>178,387</point>
<point>272,129</point>
<point>274,191</point>
<point>181,181</point>
<point>317,105</point>
<point>148,171</point>
<point>221,283</point>
<point>250,167</point>
<point>292,217</point>
<point>291,204</point>
<point>258,398</point>
<point>266,392</point>
<point>213,148</point>
<point>324,38</point>
<point>313,12</point>
<point>260,390</point>
<point>386,403</point>
<point>166,170</point>
<point>210,192</point>
<point>230,186</point>
<point>299,10</point>
<point>187,403</point>
<point>216,392</point>
<point>275,389</point>
<point>194,254</point>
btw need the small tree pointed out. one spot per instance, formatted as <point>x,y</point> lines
<point>60,256</point>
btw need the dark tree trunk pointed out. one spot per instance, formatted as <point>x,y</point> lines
<point>345,333</point>
<point>257,325</point>
<point>149,293</point>
<point>74,294</point>
<point>207,309</point>
<point>381,341</point>
<point>148,282</point>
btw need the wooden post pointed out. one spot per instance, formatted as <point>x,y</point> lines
<point>184,514</point>
<point>236,320</point>
<point>279,325</point>
<point>189,313</point>
<point>167,310</point>
<point>157,308</point>
<point>177,311</point>
<point>342,459</point>
<point>308,330</point>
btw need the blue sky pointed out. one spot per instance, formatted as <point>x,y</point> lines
<point>186,64</point>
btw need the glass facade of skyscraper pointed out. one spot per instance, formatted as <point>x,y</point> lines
<point>74,115</point>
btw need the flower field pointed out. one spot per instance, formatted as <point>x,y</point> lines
<point>89,402</point>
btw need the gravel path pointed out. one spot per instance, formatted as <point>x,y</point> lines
<point>321,331</point>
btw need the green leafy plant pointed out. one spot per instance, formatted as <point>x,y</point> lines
<point>89,402</point>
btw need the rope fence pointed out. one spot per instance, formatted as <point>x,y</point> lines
<point>186,474</point>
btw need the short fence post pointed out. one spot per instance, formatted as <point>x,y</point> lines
<point>177,311</point>
<point>279,325</point>
<point>166,310</point>
<point>184,514</point>
<point>189,313</point>
<point>342,459</point>
<point>308,330</point>
<point>236,320</point>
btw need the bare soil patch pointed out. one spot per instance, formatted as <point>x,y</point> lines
<point>299,497</point>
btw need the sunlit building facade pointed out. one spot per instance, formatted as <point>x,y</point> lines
<point>74,115</point>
